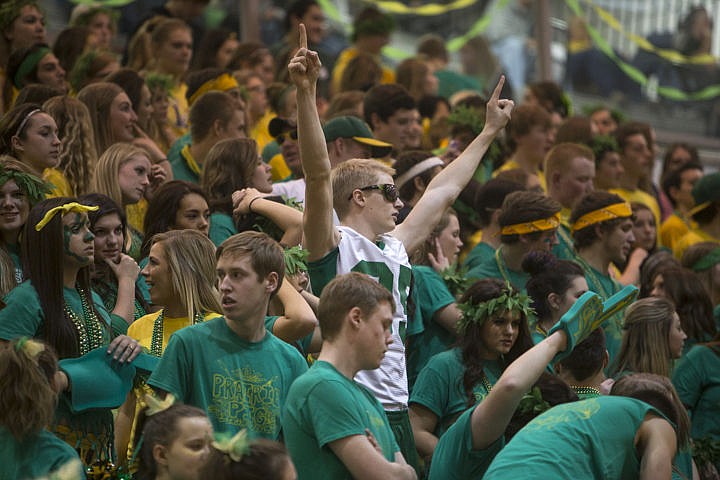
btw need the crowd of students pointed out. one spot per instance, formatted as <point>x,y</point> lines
<point>209,273</point>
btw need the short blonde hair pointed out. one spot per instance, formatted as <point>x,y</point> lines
<point>353,174</point>
<point>108,166</point>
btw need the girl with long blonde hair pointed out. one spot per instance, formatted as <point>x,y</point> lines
<point>181,276</point>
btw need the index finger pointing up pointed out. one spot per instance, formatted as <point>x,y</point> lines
<point>303,35</point>
<point>498,88</point>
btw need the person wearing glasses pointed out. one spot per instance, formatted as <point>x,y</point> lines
<point>368,241</point>
<point>346,137</point>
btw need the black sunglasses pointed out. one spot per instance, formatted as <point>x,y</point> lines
<point>389,191</point>
<point>292,134</point>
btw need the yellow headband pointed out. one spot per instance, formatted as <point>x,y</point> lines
<point>222,83</point>
<point>545,224</point>
<point>611,212</point>
<point>64,209</point>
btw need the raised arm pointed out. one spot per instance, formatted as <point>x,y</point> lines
<point>447,185</point>
<point>298,319</point>
<point>320,235</point>
<point>492,415</point>
<point>249,200</point>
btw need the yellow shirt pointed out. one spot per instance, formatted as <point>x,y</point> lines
<point>142,328</point>
<point>388,75</point>
<point>691,238</point>
<point>60,185</point>
<point>673,229</point>
<point>260,132</point>
<point>512,164</point>
<point>178,110</point>
<point>639,196</point>
<point>136,214</point>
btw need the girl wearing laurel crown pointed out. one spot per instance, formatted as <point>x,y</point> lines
<point>19,191</point>
<point>492,333</point>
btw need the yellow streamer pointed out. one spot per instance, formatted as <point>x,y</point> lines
<point>431,9</point>
<point>670,55</point>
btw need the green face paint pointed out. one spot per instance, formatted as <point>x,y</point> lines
<point>75,228</point>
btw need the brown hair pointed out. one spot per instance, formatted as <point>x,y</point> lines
<point>78,155</point>
<point>266,459</point>
<point>525,206</point>
<point>27,396</point>
<point>98,98</point>
<point>645,345</point>
<point>523,119</point>
<point>229,166</point>
<point>658,391</point>
<point>266,255</point>
<point>589,203</point>
<point>346,292</point>
<point>210,107</point>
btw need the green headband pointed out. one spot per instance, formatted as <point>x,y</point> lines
<point>28,64</point>
<point>509,301</point>
<point>34,187</point>
<point>707,261</point>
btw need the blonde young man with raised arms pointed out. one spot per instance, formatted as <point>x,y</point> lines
<point>367,240</point>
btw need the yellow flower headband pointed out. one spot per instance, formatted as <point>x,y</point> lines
<point>234,447</point>
<point>542,225</point>
<point>155,405</point>
<point>64,210</point>
<point>611,212</point>
<point>222,83</point>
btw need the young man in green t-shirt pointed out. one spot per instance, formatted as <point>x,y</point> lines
<point>327,408</point>
<point>364,196</point>
<point>601,225</point>
<point>231,366</point>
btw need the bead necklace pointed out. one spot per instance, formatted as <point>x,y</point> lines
<point>157,334</point>
<point>501,265</point>
<point>89,328</point>
<point>585,390</point>
<point>486,383</point>
<point>590,271</point>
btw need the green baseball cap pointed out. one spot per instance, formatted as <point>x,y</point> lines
<point>705,192</point>
<point>352,127</point>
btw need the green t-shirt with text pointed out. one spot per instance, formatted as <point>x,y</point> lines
<point>240,384</point>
